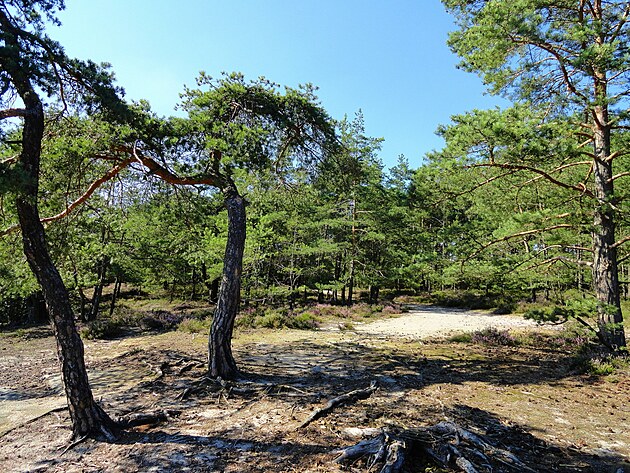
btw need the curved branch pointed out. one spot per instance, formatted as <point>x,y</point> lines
<point>581,188</point>
<point>621,242</point>
<point>517,235</point>
<point>86,195</point>
<point>169,176</point>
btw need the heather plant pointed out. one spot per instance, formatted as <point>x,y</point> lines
<point>494,337</point>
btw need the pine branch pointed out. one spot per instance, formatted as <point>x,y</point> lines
<point>86,195</point>
<point>581,188</point>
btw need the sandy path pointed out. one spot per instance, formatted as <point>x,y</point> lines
<point>429,321</point>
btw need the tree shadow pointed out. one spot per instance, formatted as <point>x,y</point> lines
<point>535,452</point>
<point>304,374</point>
<point>344,364</point>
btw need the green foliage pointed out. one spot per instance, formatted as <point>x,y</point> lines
<point>102,329</point>
<point>276,319</point>
<point>465,337</point>
<point>195,325</point>
<point>575,308</point>
<point>251,125</point>
<point>592,359</point>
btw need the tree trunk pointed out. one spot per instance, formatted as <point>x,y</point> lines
<point>87,417</point>
<point>115,292</point>
<point>605,271</point>
<point>36,308</point>
<point>98,293</point>
<point>214,289</point>
<point>353,253</point>
<point>85,316</point>
<point>220,360</point>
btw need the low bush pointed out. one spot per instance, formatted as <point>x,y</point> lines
<point>102,329</point>
<point>505,307</point>
<point>195,325</point>
<point>494,337</point>
<point>465,337</point>
<point>276,318</point>
<point>161,320</point>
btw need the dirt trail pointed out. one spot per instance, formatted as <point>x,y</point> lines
<point>426,321</point>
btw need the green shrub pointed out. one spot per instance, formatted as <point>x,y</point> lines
<point>505,307</point>
<point>271,319</point>
<point>465,337</point>
<point>246,318</point>
<point>276,318</point>
<point>303,321</point>
<point>593,360</point>
<point>601,367</point>
<point>102,329</point>
<point>194,325</point>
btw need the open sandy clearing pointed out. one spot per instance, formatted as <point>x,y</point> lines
<point>430,321</point>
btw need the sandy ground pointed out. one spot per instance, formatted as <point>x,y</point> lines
<point>429,321</point>
<point>528,399</point>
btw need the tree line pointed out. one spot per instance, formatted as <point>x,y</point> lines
<point>258,195</point>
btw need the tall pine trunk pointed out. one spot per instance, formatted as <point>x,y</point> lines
<point>87,417</point>
<point>220,359</point>
<point>605,270</point>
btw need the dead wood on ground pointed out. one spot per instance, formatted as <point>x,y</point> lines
<point>446,444</point>
<point>342,400</point>
<point>145,418</point>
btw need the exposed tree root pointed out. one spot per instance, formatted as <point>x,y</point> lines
<point>342,400</point>
<point>446,444</point>
<point>74,444</point>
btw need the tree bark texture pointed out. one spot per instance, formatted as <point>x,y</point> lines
<point>87,417</point>
<point>605,270</point>
<point>220,359</point>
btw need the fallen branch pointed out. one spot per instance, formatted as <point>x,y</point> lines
<point>342,400</point>
<point>446,444</point>
<point>150,418</point>
<point>190,365</point>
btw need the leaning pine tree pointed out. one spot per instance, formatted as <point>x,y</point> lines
<point>571,58</point>
<point>235,126</point>
<point>34,68</point>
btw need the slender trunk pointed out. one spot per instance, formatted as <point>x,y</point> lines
<point>220,359</point>
<point>605,271</point>
<point>98,293</point>
<point>84,300</point>
<point>352,253</point>
<point>213,286</point>
<point>87,417</point>
<point>351,283</point>
<point>214,289</point>
<point>172,292</point>
<point>112,305</point>
<point>193,294</point>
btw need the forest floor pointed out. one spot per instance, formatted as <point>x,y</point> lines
<point>530,400</point>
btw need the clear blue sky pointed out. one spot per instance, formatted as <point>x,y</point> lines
<point>388,57</point>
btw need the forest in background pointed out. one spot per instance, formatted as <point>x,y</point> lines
<point>339,231</point>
